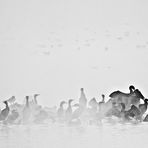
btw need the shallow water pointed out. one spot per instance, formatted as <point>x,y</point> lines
<point>57,136</point>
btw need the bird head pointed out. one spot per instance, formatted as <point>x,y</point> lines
<point>146,100</point>
<point>70,100</point>
<point>82,89</point>
<point>62,103</point>
<point>5,102</point>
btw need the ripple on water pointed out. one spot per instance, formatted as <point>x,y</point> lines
<point>56,136</point>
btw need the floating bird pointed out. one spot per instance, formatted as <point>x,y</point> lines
<point>4,113</point>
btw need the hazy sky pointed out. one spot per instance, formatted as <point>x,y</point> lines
<point>55,47</point>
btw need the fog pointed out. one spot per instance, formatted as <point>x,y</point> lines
<point>55,47</point>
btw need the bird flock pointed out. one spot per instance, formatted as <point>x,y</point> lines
<point>125,107</point>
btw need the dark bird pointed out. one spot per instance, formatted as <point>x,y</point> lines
<point>127,98</point>
<point>131,88</point>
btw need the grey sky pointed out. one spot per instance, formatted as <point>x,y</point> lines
<point>54,47</point>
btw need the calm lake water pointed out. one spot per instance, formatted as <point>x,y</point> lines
<point>113,135</point>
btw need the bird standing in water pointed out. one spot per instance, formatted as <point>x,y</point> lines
<point>26,111</point>
<point>35,98</point>
<point>82,99</point>
<point>4,113</point>
<point>61,111</point>
<point>68,112</point>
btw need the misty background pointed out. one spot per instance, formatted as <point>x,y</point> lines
<point>55,47</point>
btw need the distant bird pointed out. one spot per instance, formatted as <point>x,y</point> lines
<point>133,112</point>
<point>47,53</point>
<point>127,98</point>
<point>131,88</point>
<point>35,98</point>
<point>82,99</point>
<point>146,118</point>
<point>114,111</point>
<point>12,117</point>
<point>92,111</point>
<point>68,112</point>
<point>26,111</point>
<point>93,103</point>
<point>11,99</point>
<point>115,93</point>
<point>93,107</point>
<point>61,111</point>
<point>78,112</point>
<point>101,103</point>
<point>103,99</point>
<point>4,113</point>
<point>143,107</point>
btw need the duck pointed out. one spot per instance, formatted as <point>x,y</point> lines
<point>5,112</point>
